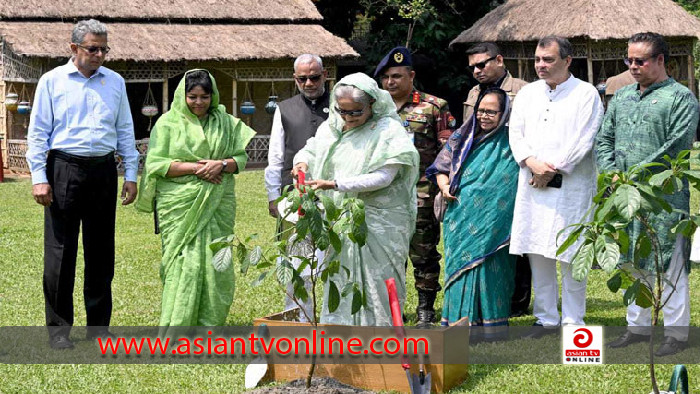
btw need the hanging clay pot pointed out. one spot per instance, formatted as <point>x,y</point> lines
<point>149,110</point>
<point>271,105</point>
<point>24,108</point>
<point>601,87</point>
<point>11,101</point>
<point>247,108</point>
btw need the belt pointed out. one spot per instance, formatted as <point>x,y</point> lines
<point>87,160</point>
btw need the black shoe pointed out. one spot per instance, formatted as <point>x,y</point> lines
<point>425,313</point>
<point>60,342</point>
<point>538,331</point>
<point>104,334</point>
<point>627,339</point>
<point>519,313</point>
<point>670,346</point>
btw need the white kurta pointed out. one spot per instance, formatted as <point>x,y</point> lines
<point>557,126</point>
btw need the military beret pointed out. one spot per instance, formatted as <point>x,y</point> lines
<point>399,56</point>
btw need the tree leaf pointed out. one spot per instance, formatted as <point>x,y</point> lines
<point>222,259</point>
<point>359,233</point>
<point>583,260</point>
<point>347,289</point>
<point>623,240</point>
<point>284,272</point>
<point>255,255</point>
<point>242,257</point>
<point>316,226</point>
<point>685,227</point>
<point>631,293</point>
<point>642,247</point>
<point>356,300</point>
<point>609,255</point>
<point>605,209</point>
<point>627,201</point>
<point>660,178</point>
<point>335,241</point>
<point>258,281</point>
<point>615,282</point>
<point>302,227</point>
<point>570,240</point>
<point>300,292</point>
<point>644,297</point>
<point>333,297</point>
<point>330,208</point>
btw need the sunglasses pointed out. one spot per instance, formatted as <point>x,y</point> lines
<point>93,50</point>
<point>489,113</point>
<point>639,62</point>
<point>312,78</point>
<point>481,65</point>
<point>354,113</point>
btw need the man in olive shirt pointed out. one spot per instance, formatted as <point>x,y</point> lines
<point>428,122</point>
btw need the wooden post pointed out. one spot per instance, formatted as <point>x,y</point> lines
<point>590,63</point>
<point>234,95</point>
<point>165,95</point>
<point>520,68</point>
<point>692,85</point>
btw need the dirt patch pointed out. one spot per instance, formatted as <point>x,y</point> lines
<point>318,386</point>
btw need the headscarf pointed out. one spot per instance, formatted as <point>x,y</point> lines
<point>383,105</point>
<point>455,152</point>
<point>176,125</point>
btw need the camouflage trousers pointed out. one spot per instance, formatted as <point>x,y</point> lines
<point>423,251</point>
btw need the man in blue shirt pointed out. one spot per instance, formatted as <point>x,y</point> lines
<point>80,118</point>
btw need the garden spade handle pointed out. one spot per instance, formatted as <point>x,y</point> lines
<point>301,179</point>
<point>396,316</point>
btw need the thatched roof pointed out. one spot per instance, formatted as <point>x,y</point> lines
<point>249,10</point>
<point>177,42</point>
<point>530,20</point>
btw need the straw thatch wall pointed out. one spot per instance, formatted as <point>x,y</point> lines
<point>248,10</point>
<point>529,20</point>
<point>181,42</point>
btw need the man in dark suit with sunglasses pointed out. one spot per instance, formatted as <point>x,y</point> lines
<point>489,69</point>
<point>428,121</point>
<point>81,117</point>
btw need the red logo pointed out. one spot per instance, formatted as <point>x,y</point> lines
<point>584,339</point>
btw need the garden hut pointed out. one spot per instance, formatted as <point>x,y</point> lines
<point>248,45</point>
<point>597,29</point>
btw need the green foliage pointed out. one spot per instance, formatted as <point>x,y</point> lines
<point>623,198</point>
<point>321,225</point>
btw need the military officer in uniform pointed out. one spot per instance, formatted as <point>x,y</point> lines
<point>428,122</point>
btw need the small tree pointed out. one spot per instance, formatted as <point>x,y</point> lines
<point>624,197</point>
<point>319,227</point>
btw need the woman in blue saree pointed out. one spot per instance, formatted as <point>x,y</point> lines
<point>477,177</point>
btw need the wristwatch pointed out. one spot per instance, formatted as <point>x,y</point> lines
<point>335,185</point>
<point>223,162</point>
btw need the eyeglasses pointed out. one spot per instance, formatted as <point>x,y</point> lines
<point>93,50</point>
<point>312,78</point>
<point>354,113</point>
<point>481,65</point>
<point>489,113</point>
<point>639,62</point>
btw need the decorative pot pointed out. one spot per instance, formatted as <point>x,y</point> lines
<point>149,110</point>
<point>24,108</point>
<point>271,105</point>
<point>601,88</point>
<point>247,108</point>
<point>11,101</point>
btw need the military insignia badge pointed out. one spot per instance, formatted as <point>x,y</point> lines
<point>398,57</point>
<point>451,122</point>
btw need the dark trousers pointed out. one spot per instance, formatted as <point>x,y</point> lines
<point>423,251</point>
<point>84,193</point>
<point>523,281</point>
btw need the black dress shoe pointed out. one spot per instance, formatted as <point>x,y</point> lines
<point>627,339</point>
<point>670,346</point>
<point>60,342</point>
<point>538,331</point>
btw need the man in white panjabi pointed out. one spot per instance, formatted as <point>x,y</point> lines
<point>552,129</point>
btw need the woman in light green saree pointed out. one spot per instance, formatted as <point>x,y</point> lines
<point>363,151</point>
<point>194,150</point>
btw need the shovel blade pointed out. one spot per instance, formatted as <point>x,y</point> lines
<point>254,372</point>
<point>414,380</point>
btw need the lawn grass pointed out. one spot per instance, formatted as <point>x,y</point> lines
<point>137,303</point>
